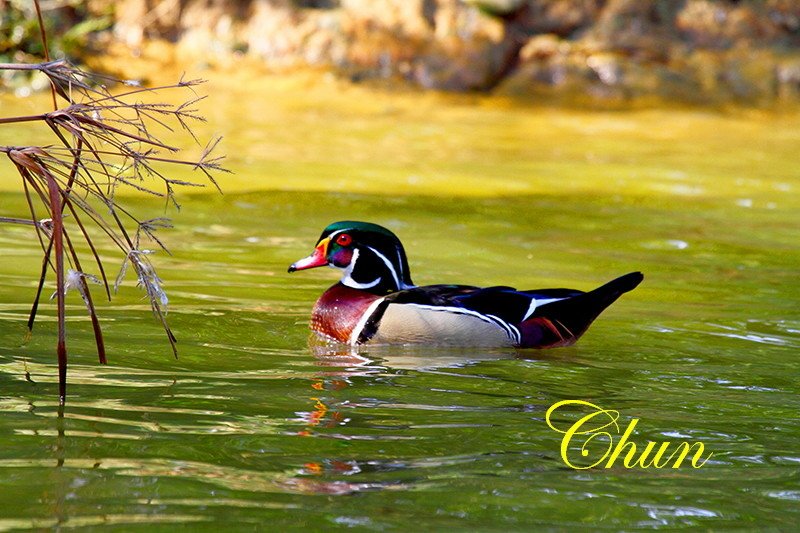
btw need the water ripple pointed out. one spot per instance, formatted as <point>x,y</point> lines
<point>238,479</point>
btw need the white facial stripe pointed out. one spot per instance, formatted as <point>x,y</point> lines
<point>349,269</point>
<point>388,265</point>
<point>402,284</point>
<point>356,333</point>
<point>347,279</point>
<point>512,332</point>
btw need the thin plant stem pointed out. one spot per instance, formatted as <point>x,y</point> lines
<point>23,221</point>
<point>58,244</point>
<point>43,33</point>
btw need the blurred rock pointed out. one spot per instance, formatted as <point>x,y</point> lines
<point>710,24</point>
<point>642,29</point>
<point>700,51</point>
<point>563,18</point>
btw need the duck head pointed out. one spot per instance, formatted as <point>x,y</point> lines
<point>371,257</point>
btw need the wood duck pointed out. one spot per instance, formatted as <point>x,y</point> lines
<point>375,301</point>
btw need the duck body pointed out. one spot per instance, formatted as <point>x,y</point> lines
<point>376,303</point>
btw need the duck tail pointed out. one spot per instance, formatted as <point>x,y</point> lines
<point>562,322</point>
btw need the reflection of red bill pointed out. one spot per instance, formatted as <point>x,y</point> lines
<point>317,259</point>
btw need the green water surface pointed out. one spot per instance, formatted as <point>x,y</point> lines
<point>255,428</point>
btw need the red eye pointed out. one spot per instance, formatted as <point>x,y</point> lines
<point>344,240</point>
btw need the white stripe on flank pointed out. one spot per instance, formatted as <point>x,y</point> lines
<point>512,332</point>
<point>353,340</point>
<point>536,303</point>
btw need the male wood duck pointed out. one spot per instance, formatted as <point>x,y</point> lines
<point>376,301</point>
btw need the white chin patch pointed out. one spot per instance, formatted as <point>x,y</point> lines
<point>353,284</point>
<point>347,279</point>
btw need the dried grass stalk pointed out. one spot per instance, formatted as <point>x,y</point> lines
<point>101,141</point>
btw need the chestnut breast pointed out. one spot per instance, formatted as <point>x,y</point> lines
<point>338,311</point>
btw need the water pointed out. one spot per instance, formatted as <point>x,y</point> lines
<point>255,426</point>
